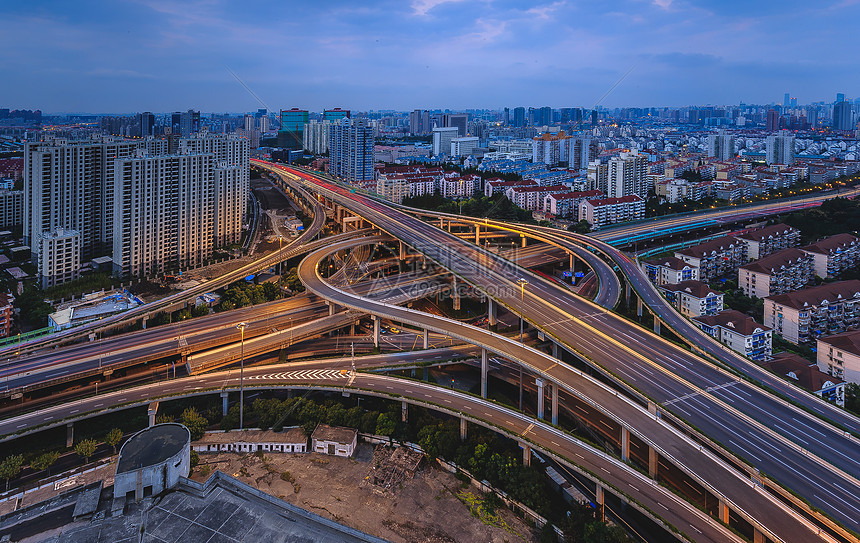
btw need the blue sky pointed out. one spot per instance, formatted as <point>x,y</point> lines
<point>165,55</point>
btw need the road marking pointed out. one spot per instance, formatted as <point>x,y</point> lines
<point>579,455</point>
<point>663,506</point>
<point>633,487</point>
<point>22,425</point>
<point>528,429</point>
<point>73,411</point>
<point>604,469</point>
<point>48,418</point>
<point>98,405</point>
<point>693,527</point>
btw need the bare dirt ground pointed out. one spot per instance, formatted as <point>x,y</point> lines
<point>424,509</point>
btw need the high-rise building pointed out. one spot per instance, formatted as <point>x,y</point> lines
<point>786,100</point>
<point>59,256</point>
<point>598,176</point>
<point>793,102</point>
<point>11,208</point>
<point>627,176</point>
<point>146,120</point>
<point>416,127</point>
<point>519,117</point>
<point>721,145</point>
<point>842,116</point>
<point>291,132</point>
<point>780,148</point>
<point>579,154</point>
<point>336,114</point>
<point>249,122</point>
<point>840,97</point>
<point>550,149</point>
<point>350,148</point>
<point>772,121</point>
<point>316,137</point>
<point>464,147</point>
<point>263,124</point>
<point>185,123</point>
<point>506,117</point>
<point>442,137</point>
<point>458,120</point>
<point>545,116</point>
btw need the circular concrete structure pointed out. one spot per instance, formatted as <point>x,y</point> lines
<point>152,461</point>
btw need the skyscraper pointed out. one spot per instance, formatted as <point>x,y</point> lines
<point>721,145</point>
<point>840,96</point>
<point>147,124</point>
<point>786,100</point>
<point>316,137</point>
<point>350,149</point>
<point>442,137</point>
<point>458,120</point>
<point>842,116</point>
<point>627,176</point>
<point>249,122</point>
<point>291,132</point>
<point>772,121</point>
<point>780,148</point>
<point>185,123</point>
<point>519,117</point>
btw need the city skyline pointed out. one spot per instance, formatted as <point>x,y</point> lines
<point>448,54</point>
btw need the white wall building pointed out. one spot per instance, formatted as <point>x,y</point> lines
<point>464,146</point>
<point>780,148</point>
<point>839,356</point>
<point>59,256</point>
<point>334,440</point>
<point>739,332</point>
<point>289,440</point>
<point>626,176</point>
<point>442,137</point>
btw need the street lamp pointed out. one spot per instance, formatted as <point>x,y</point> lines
<point>280,256</point>
<point>522,283</point>
<point>241,326</point>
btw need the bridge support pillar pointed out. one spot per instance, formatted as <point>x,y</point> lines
<point>426,339</point>
<point>375,331</point>
<point>652,463</point>
<point>331,308</point>
<point>627,294</point>
<point>639,306</point>
<point>151,411</point>
<point>656,326</point>
<point>523,240</point>
<point>455,295</point>
<point>572,269</point>
<point>426,373</point>
<point>599,500</point>
<point>723,513</point>
<point>464,429</point>
<point>555,403</point>
<point>402,255</point>
<point>484,365</point>
<point>143,322</point>
<point>540,384</point>
<point>554,349</point>
<point>441,224</point>
<point>491,311</point>
<point>527,454</point>
<point>70,434</point>
<point>404,411</point>
<point>224,403</point>
<point>625,444</point>
<point>477,234</point>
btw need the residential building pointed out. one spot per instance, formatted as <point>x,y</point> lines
<point>59,256</point>
<point>768,240</point>
<point>392,187</point>
<point>315,137</point>
<point>839,355</point>
<point>832,256</point>
<point>627,176</point>
<point>442,137</point>
<point>780,148</point>
<point>739,332</point>
<point>598,176</point>
<point>579,153</point>
<point>183,124</point>
<point>291,131</point>
<point>714,258</point>
<point>464,146</point>
<point>6,312</point>
<point>802,316</point>
<point>693,298</point>
<point>668,270</point>
<point>11,208</point>
<point>288,440</point>
<point>459,186</point>
<point>550,149</point>
<point>842,116</point>
<point>334,440</point>
<point>531,197</point>
<point>351,150</point>
<point>808,376</point>
<point>600,213</point>
<point>565,205</point>
<point>721,145</point>
<point>497,185</point>
<point>783,271</point>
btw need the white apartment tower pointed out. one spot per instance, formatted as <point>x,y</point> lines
<point>627,176</point>
<point>350,146</point>
<point>598,176</point>
<point>721,145</point>
<point>316,137</point>
<point>780,148</point>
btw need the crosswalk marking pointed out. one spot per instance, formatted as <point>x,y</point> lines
<point>303,374</point>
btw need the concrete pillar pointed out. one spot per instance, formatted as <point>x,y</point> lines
<point>151,412</point>
<point>527,455</point>
<point>70,434</point>
<point>554,349</point>
<point>555,403</point>
<point>455,293</point>
<point>572,264</point>
<point>656,326</point>
<point>491,311</point>
<point>464,429</point>
<point>484,365</point>
<point>404,411</point>
<point>540,383</point>
<point>600,501</point>
<point>224,397</point>
<point>331,308</point>
<point>426,373</point>
<point>625,444</point>
<point>442,224</point>
<point>723,513</point>
<point>627,294</point>
<point>426,339</point>
<point>524,239</point>
<point>375,331</point>
<point>402,251</point>
<point>477,234</point>
<point>652,463</point>
<point>758,537</point>
<point>639,306</point>
<point>143,322</point>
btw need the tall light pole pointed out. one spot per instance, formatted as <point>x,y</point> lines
<point>280,256</point>
<point>241,326</point>
<point>522,283</point>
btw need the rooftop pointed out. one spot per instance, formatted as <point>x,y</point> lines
<point>717,245</point>
<point>696,288</point>
<point>288,435</point>
<point>780,259</point>
<point>338,434</point>
<point>827,245</point>
<point>734,320</point>
<point>152,446</point>
<point>829,292</point>
<point>801,370</point>
<point>670,262</point>
<point>846,341</point>
<point>768,232</point>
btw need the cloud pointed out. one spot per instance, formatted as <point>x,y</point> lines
<point>422,7</point>
<point>665,4</point>
<point>543,12</point>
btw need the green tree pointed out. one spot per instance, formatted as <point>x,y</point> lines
<point>44,461</point>
<point>385,425</point>
<point>581,227</point>
<point>852,398</point>
<point>86,448</point>
<point>113,438</point>
<point>195,422</point>
<point>10,467</point>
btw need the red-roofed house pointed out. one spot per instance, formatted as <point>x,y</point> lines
<point>600,213</point>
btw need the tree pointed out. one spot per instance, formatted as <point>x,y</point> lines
<point>86,448</point>
<point>385,425</point>
<point>113,438</point>
<point>581,227</point>
<point>195,422</point>
<point>44,461</point>
<point>10,467</point>
<point>852,398</point>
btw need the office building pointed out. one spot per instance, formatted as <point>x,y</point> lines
<point>464,147</point>
<point>291,132</point>
<point>336,114</point>
<point>721,145</point>
<point>419,122</point>
<point>772,124</point>
<point>442,137</point>
<point>456,120</point>
<point>627,176</point>
<point>185,123</point>
<point>780,148</point>
<point>350,148</point>
<point>146,120</point>
<point>804,315</point>
<point>842,116</point>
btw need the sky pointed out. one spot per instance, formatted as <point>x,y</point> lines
<point>228,56</point>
